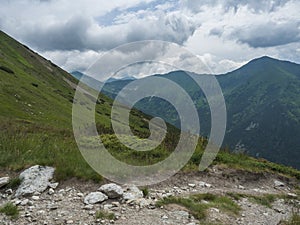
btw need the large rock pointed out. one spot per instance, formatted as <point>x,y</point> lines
<point>111,190</point>
<point>35,179</point>
<point>4,181</point>
<point>132,193</point>
<point>95,197</point>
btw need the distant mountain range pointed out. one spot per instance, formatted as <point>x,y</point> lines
<point>263,107</point>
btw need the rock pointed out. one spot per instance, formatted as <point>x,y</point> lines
<point>292,195</point>
<point>142,202</point>
<point>204,184</point>
<point>4,181</point>
<point>278,183</point>
<point>51,191</point>
<point>35,198</point>
<point>35,179</point>
<point>279,209</point>
<point>52,207</point>
<point>107,207</point>
<point>80,194</point>
<point>9,191</point>
<point>69,222</point>
<point>95,197</point>
<point>241,187</point>
<point>215,210</point>
<point>132,193</point>
<point>192,185</point>
<point>88,207</point>
<point>165,217</point>
<point>111,190</point>
<point>115,204</point>
<point>53,185</point>
<point>24,202</point>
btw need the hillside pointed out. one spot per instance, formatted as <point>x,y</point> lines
<point>263,108</point>
<point>36,116</point>
<point>35,119</point>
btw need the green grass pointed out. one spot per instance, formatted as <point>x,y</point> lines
<point>265,199</point>
<point>145,191</point>
<point>198,208</point>
<point>14,183</point>
<point>102,214</point>
<point>10,210</point>
<point>294,220</point>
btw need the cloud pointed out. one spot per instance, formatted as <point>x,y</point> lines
<point>254,5</point>
<point>225,33</point>
<point>68,35</point>
<point>80,31</point>
<point>269,34</point>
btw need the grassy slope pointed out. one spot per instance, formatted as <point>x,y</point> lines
<point>35,122</point>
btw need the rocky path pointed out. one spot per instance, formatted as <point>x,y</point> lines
<point>77,202</point>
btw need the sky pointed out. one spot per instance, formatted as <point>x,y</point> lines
<point>225,34</point>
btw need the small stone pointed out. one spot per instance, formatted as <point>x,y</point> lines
<point>9,191</point>
<point>92,213</point>
<point>51,191</point>
<point>80,194</point>
<point>52,207</point>
<point>88,207</point>
<point>115,204</point>
<point>165,217</point>
<point>292,195</point>
<point>69,222</point>
<point>30,203</point>
<point>53,185</point>
<point>35,198</point>
<point>107,206</point>
<point>278,183</point>
<point>132,193</point>
<point>192,185</point>
<point>17,202</point>
<point>208,185</point>
<point>215,210</point>
<point>24,202</point>
<point>241,187</point>
<point>4,181</point>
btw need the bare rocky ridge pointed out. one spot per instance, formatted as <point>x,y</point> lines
<point>73,202</point>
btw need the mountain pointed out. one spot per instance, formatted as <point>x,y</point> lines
<point>128,78</point>
<point>90,81</point>
<point>263,108</point>
<point>36,99</point>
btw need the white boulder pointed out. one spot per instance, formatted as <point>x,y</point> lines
<point>95,197</point>
<point>35,179</point>
<point>111,190</point>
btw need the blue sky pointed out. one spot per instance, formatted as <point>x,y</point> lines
<point>225,34</point>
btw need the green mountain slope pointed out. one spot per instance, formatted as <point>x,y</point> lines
<point>263,108</point>
<point>36,100</point>
<point>36,122</point>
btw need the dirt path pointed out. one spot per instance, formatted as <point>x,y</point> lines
<point>65,205</point>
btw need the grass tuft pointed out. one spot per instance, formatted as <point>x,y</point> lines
<point>10,209</point>
<point>198,208</point>
<point>102,214</point>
